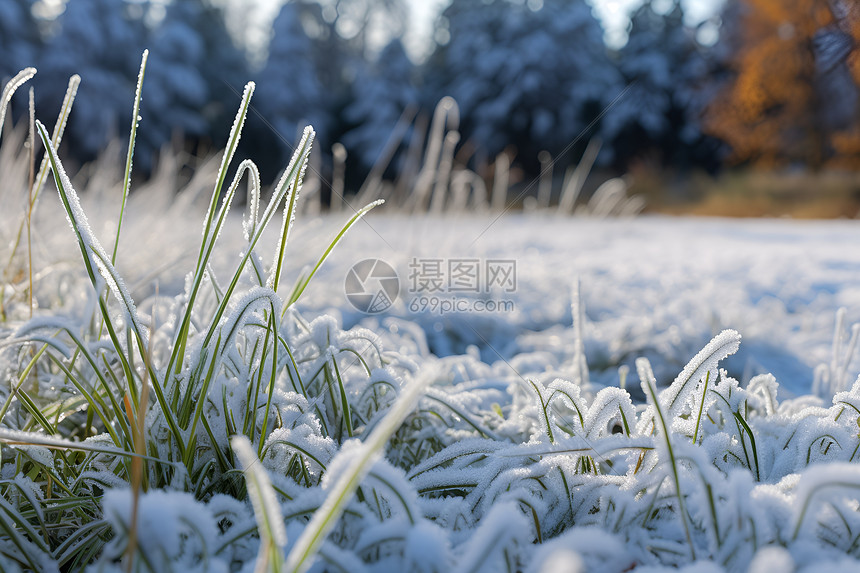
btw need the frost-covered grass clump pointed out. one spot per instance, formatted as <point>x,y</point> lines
<point>221,430</point>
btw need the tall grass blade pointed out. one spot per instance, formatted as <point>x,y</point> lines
<point>292,201</point>
<point>300,157</point>
<point>577,310</point>
<point>56,139</point>
<point>209,236</point>
<point>95,259</point>
<point>32,154</point>
<point>573,183</point>
<point>126,180</point>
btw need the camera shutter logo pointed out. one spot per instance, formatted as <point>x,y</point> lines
<point>371,286</point>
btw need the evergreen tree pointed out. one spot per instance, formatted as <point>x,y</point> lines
<point>530,74</point>
<point>193,76</point>
<point>380,97</point>
<point>666,75</point>
<point>102,40</point>
<point>289,93</point>
<point>19,37</point>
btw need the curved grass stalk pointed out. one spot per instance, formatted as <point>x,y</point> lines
<point>543,407</point>
<point>302,284</point>
<point>724,344</point>
<point>486,433</point>
<point>94,256</point>
<point>9,90</point>
<point>300,158</point>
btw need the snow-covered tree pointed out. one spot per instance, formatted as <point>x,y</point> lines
<point>380,97</point>
<point>665,71</point>
<point>19,37</point>
<point>175,92</point>
<point>529,73</point>
<point>193,71</point>
<point>224,68</point>
<point>102,40</point>
<point>289,94</point>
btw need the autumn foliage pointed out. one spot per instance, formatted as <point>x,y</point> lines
<point>792,99</point>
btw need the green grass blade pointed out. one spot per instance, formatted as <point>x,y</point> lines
<point>95,257</point>
<point>126,180</point>
<point>287,225</point>
<point>701,407</point>
<point>21,380</point>
<point>300,157</point>
<point>181,339</point>
<point>18,438</point>
<point>302,284</point>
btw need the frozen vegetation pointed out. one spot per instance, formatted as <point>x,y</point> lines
<point>663,394</point>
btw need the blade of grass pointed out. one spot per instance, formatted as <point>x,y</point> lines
<point>32,154</point>
<point>126,180</point>
<point>701,407</point>
<point>56,138</point>
<point>300,157</point>
<point>302,284</point>
<point>94,255</point>
<point>181,338</point>
<point>18,438</point>
<point>139,423</point>
<point>9,90</point>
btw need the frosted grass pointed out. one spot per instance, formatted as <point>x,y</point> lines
<point>340,446</point>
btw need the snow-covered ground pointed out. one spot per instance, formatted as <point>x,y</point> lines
<point>654,286</point>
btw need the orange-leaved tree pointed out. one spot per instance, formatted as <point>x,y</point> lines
<point>792,99</point>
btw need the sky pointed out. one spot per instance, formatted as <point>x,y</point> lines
<point>613,15</point>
